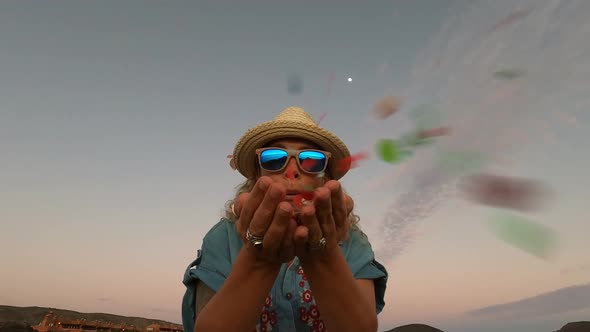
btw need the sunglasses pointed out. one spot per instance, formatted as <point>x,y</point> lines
<point>310,161</point>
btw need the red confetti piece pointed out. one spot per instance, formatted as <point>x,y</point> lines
<point>434,132</point>
<point>308,195</point>
<point>322,117</point>
<point>386,107</point>
<point>504,192</point>
<point>347,163</point>
<point>297,200</point>
<point>331,80</point>
<point>517,15</point>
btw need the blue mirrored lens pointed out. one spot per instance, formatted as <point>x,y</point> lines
<point>273,159</point>
<point>312,161</point>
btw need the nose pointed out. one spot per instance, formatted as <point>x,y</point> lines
<point>292,169</point>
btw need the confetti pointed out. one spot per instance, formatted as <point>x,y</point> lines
<point>508,74</point>
<point>298,200</point>
<point>390,151</point>
<point>308,195</point>
<point>517,15</point>
<point>295,84</point>
<point>501,191</point>
<point>308,188</point>
<point>434,132</point>
<point>350,162</point>
<point>403,216</point>
<point>386,107</point>
<point>322,116</point>
<point>331,79</point>
<point>533,238</point>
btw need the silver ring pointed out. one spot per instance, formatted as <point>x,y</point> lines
<point>255,240</point>
<point>321,244</point>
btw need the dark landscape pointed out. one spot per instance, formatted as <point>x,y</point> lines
<point>22,319</point>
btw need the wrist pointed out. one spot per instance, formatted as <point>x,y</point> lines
<point>255,265</point>
<point>322,259</point>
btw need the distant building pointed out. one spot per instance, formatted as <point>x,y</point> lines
<point>53,323</point>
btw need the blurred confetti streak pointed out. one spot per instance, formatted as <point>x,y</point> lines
<point>321,118</point>
<point>295,84</point>
<point>535,239</point>
<point>398,228</point>
<point>386,107</point>
<point>331,80</point>
<point>517,15</point>
<point>347,163</point>
<point>502,191</point>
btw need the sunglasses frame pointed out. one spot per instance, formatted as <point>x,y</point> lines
<point>293,153</point>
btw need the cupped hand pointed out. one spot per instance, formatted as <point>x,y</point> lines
<point>263,212</point>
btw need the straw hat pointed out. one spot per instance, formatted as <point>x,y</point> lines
<point>293,122</point>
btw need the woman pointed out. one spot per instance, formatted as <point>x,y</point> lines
<point>279,261</point>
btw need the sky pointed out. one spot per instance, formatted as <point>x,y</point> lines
<point>116,119</point>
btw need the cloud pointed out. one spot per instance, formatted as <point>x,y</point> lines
<point>559,301</point>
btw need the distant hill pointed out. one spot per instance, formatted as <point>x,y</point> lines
<point>34,315</point>
<point>575,327</point>
<point>415,328</point>
<point>15,327</point>
<point>569,327</point>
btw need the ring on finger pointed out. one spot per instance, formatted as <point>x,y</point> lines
<point>255,240</point>
<point>319,246</point>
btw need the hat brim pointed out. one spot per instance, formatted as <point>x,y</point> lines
<point>257,137</point>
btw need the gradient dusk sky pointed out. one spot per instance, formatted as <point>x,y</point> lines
<point>116,118</point>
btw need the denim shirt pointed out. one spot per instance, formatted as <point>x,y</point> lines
<point>290,305</point>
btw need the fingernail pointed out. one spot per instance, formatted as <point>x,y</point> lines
<point>286,209</point>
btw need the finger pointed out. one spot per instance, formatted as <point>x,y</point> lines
<point>288,239</point>
<point>254,200</point>
<point>239,203</point>
<point>300,238</point>
<point>310,221</point>
<point>338,202</point>
<point>237,207</point>
<point>264,214</point>
<point>275,233</point>
<point>323,204</point>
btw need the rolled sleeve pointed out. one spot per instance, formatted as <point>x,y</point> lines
<point>212,266</point>
<point>361,259</point>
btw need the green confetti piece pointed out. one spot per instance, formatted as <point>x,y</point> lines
<point>533,238</point>
<point>460,162</point>
<point>424,141</point>
<point>509,74</point>
<point>387,150</point>
<point>390,151</point>
<point>308,188</point>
